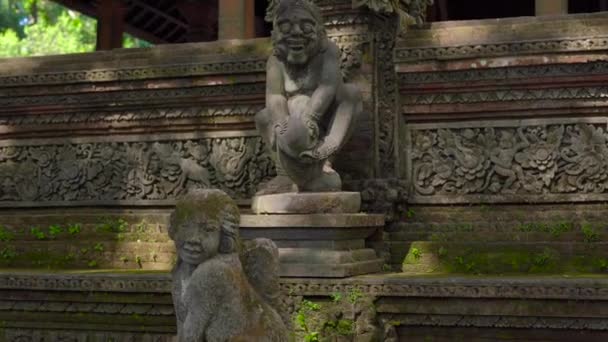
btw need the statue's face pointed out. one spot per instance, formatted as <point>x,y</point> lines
<point>297,35</point>
<point>195,244</point>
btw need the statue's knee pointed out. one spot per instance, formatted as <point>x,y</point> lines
<point>262,118</point>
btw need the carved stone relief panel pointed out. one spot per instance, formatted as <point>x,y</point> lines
<point>129,171</point>
<point>540,160</point>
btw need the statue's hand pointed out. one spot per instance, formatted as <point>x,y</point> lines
<point>308,157</point>
<point>327,148</point>
<point>279,128</point>
<point>322,151</point>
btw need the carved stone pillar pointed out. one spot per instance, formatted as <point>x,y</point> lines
<point>367,41</point>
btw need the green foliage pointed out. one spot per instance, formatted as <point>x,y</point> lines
<point>38,234</point>
<point>55,230</point>
<point>5,235</point>
<point>542,259</point>
<point>603,264</point>
<point>354,296</point>
<point>442,252</point>
<point>589,233</point>
<point>43,27</point>
<point>109,225</point>
<point>301,320</point>
<point>129,42</point>
<point>98,247</point>
<point>416,253</point>
<point>342,327</point>
<point>141,227</point>
<point>92,264</point>
<point>410,213</point>
<point>336,297</point>
<point>555,228</point>
<point>74,228</point>
<point>8,253</point>
<point>138,261</point>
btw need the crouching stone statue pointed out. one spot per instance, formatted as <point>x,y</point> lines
<point>220,294</point>
<point>310,113</point>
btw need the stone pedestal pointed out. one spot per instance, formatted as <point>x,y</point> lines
<point>319,245</point>
<point>308,203</point>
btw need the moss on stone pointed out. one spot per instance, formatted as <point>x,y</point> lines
<point>477,258</point>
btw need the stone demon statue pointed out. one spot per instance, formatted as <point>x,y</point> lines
<point>310,113</point>
<point>220,294</point>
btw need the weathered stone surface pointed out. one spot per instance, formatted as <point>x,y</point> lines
<point>307,203</point>
<point>217,298</point>
<point>312,221</point>
<point>90,306</point>
<point>319,245</point>
<point>310,112</point>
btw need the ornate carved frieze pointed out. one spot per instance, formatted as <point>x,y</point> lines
<point>415,54</point>
<point>386,91</point>
<point>245,110</point>
<point>381,286</point>
<point>131,171</point>
<point>353,47</point>
<point>507,95</point>
<point>581,289</point>
<point>78,335</point>
<point>505,74</point>
<point>136,96</point>
<point>222,67</point>
<point>492,321</point>
<point>546,160</point>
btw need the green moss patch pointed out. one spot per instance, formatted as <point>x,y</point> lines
<point>479,258</point>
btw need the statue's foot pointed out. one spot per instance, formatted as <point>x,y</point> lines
<point>278,185</point>
<point>328,181</point>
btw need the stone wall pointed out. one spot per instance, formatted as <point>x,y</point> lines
<point>504,138</point>
<point>131,127</point>
<point>137,307</point>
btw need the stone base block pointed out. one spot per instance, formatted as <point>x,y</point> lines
<point>319,245</point>
<point>308,203</point>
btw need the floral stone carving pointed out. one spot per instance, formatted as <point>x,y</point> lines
<point>548,159</point>
<point>109,171</point>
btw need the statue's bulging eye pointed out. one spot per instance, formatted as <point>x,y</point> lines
<point>307,27</point>
<point>285,27</point>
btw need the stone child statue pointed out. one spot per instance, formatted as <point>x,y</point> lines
<point>310,113</point>
<point>216,297</point>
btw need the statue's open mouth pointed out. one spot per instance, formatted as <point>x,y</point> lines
<point>296,45</point>
<point>192,249</point>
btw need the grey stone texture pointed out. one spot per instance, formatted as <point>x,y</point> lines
<point>319,245</point>
<point>310,113</point>
<point>307,203</point>
<point>216,296</point>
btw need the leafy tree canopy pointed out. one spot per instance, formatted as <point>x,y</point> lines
<point>42,27</point>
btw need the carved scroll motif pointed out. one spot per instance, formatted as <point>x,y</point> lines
<point>550,159</point>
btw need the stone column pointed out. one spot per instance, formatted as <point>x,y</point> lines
<point>551,7</point>
<point>237,19</point>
